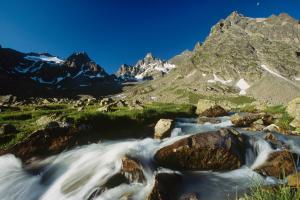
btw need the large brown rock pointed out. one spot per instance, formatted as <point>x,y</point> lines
<point>163,128</point>
<point>247,119</point>
<point>279,164</point>
<point>220,150</point>
<point>165,186</point>
<point>210,109</point>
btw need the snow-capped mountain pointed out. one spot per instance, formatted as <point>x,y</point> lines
<point>43,70</point>
<point>145,69</point>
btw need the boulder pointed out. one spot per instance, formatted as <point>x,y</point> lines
<point>294,180</point>
<point>45,120</point>
<point>217,150</point>
<point>214,111</point>
<point>279,164</point>
<point>6,129</point>
<point>203,105</point>
<point>247,119</point>
<point>165,186</point>
<point>210,109</point>
<point>131,172</point>
<point>163,128</point>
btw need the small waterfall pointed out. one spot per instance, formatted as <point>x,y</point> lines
<point>76,174</point>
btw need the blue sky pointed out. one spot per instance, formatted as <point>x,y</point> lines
<point>113,32</point>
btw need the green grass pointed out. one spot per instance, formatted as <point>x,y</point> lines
<point>25,118</point>
<point>285,120</point>
<point>279,193</point>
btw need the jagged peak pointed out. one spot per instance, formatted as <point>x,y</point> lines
<point>149,56</point>
<point>198,46</point>
<point>81,57</point>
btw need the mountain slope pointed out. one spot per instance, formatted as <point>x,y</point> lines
<point>241,56</point>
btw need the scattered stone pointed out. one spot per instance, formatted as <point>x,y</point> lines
<point>217,150</point>
<point>106,108</point>
<point>80,108</point>
<point>165,186</point>
<point>163,128</point>
<point>279,164</point>
<point>106,101</point>
<point>6,129</point>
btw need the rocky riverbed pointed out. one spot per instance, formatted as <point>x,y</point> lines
<point>208,160</point>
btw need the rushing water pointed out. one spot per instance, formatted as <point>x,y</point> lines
<point>75,174</point>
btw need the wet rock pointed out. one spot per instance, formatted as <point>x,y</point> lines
<point>165,186</point>
<point>272,128</point>
<point>52,125</point>
<point>131,172</point>
<point>247,119</point>
<point>163,128</point>
<point>294,180</point>
<point>218,150</point>
<point>6,129</point>
<point>279,164</point>
<point>189,196</point>
<point>202,120</point>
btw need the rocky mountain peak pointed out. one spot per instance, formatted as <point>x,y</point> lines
<point>149,56</point>
<point>198,46</point>
<point>78,59</point>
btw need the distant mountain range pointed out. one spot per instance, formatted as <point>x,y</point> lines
<point>146,69</point>
<point>259,57</point>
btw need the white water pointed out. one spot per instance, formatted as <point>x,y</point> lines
<point>76,174</point>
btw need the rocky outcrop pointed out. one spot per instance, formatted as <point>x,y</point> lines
<point>163,128</point>
<point>279,164</point>
<point>165,186</point>
<point>247,119</point>
<point>219,151</point>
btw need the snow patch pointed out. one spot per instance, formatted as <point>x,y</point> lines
<point>40,80</point>
<point>243,85</point>
<point>297,78</point>
<point>22,70</point>
<point>274,73</point>
<point>217,79</point>
<point>203,75</point>
<point>44,58</point>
